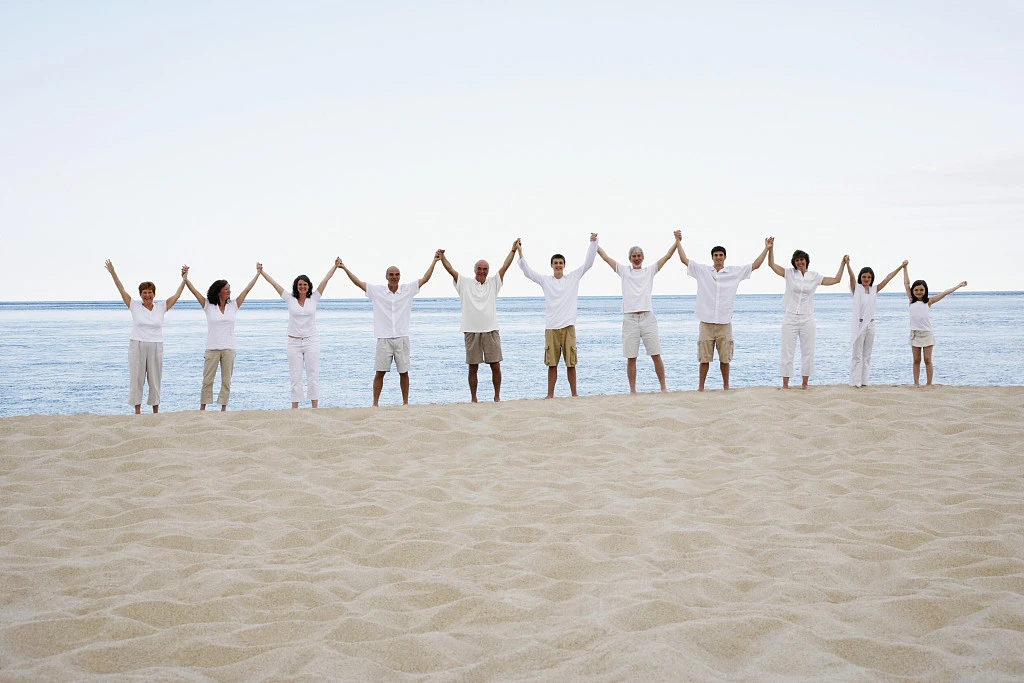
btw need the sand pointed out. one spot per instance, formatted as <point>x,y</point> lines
<point>754,534</point>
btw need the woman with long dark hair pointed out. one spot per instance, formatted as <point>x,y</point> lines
<point>862,328</point>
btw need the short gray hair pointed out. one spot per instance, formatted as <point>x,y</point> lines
<point>636,250</point>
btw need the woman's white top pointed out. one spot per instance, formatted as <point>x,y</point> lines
<point>301,319</point>
<point>147,325</point>
<point>799,297</point>
<point>864,303</point>
<point>920,317</point>
<point>220,327</point>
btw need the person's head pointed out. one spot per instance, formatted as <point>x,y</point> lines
<point>219,292</point>
<point>718,257</point>
<point>393,276</point>
<point>919,291</point>
<point>558,264</point>
<point>800,255</point>
<point>636,256</point>
<point>302,285</point>
<point>480,271</point>
<point>147,290</point>
<point>866,276</point>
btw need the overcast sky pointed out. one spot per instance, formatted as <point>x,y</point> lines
<point>219,134</point>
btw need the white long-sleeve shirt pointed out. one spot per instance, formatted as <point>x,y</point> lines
<point>560,294</point>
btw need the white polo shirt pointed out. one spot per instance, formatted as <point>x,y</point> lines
<point>301,319</point>
<point>560,294</point>
<point>392,311</point>
<point>799,297</point>
<point>220,327</point>
<point>637,285</point>
<point>479,303</point>
<point>716,290</point>
<point>147,325</point>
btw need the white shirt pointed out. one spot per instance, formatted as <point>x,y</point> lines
<point>479,303</point>
<point>391,312</point>
<point>920,317</point>
<point>560,294</point>
<point>220,327</point>
<point>637,285</point>
<point>301,319</point>
<point>864,303</point>
<point>147,325</point>
<point>716,290</point>
<point>799,297</point>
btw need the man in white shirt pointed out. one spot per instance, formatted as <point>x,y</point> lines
<point>561,293</point>
<point>479,295</point>
<point>716,294</point>
<point>638,321</point>
<point>392,309</point>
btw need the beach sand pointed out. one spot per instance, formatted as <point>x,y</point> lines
<point>753,534</point>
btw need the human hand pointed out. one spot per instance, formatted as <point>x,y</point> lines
<point>109,266</point>
<point>678,234</point>
<point>184,272</point>
<point>593,237</point>
<point>769,242</point>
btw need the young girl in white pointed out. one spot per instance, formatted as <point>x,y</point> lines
<point>862,327</point>
<point>922,337</point>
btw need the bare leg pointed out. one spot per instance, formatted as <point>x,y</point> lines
<point>570,373</point>
<point>295,405</point>
<point>659,369</point>
<point>138,409</point>
<point>703,375</point>
<point>552,379</point>
<point>785,383</point>
<point>472,382</point>
<point>156,409</point>
<point>315,403</point>
<point>403,381</point>
<point>724,367</point>
<point>202,406</point>
<point>496,380</point>
<point>224,407</point>
<point>378,385</point>
<point>916,350</point>
<point>803,385</point>
<point>928,363</point>
<point>631,374</point>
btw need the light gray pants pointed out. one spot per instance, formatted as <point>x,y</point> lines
<point>145,363</point>
<point>225,358</point>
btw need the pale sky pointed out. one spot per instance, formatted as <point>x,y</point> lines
<point>219,134</point>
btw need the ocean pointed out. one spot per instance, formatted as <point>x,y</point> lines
<point>71,357</point>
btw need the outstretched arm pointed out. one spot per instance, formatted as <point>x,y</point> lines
<point>888,277</point>
<point>430,271</point>
<point>679,248</point>
<point>120,288</point>
<point>779,270</point>
<point>828,281</point>
<point>508,260</point>
<point>675,245</point>
<point>936,299</point>
<point>906,282</point>
<point>588,260</point>
<point>853,281</point>
<point>173,299</point>
<point>272,281</point>
<point>760,259</point>
<point>448,266</point>
<point>352,276</point>
<point>240,299</point>
<point>195,292</point>
<point>330,274</point>
<point>529,272</point>
<point>607,259</point>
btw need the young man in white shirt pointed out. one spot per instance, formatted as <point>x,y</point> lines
<point>479,296</point>
<point>716,294</point>
<point>638,320</point>
<point>561,293</point>
<point>392,308</point>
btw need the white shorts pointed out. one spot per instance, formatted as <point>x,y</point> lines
<point>637,326</point>
<point>392,349</point>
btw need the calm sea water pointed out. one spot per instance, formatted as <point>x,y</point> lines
<point>71,357</point>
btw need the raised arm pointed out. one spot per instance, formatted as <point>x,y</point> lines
<point>679,248</point>
<point>430,271</point>
<point>272,281</point>
<point>195,292</point>
<point>588,260</point>
<point>529,272</point>
<point>828,281</point>
<point>173,299</point>
<point>352,276</point>
<point>853,280</point>
<point>240,299</point>
<point>936,299</point>
<point>779,270</point>
<point>330,273</point>
<point>607,259</point>
<point>888,277</point>
<point>675,245</point>
<point>760,259</point>
<point>508,260</point>
<point>120,288</point>
<point>906,282</point>
<point>448,266</point>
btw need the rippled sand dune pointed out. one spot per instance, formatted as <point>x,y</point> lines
<point>836,533</point>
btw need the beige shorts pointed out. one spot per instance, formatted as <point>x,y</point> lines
<point>714,336</point>
<point>560,343</point>
<point>637,326</point>
<point>922,338</point>
<point>483,347</point>
<point>392,349</point>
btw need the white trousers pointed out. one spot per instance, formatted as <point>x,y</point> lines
<point>304,353</point>
<point>860,362</point>
<point>797,326</point>
<point>145,364</point>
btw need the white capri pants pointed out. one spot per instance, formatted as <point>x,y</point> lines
<point>304,352</point>
<point>797,326</point>
<point>860,361</point>
<point>145,364</point>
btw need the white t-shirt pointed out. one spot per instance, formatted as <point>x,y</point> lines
<point>391,312</point>
<point>301,319</point>
<point>220,327</point>
<point>560,294</point>
<point>147,325</point>
<point>716,290</point>
<point>479,303</point>
<point>920,317</point>
<point>637,285</point>
<point>799,297</point>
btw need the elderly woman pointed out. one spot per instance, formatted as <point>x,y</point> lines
<point>220,334</point>
<point>146,341</point>
<point>798,322</point>
<point>303,344</point>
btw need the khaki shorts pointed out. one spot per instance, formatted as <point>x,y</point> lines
<point>637,326</point>
<point>483,347</point>
<point>560,343</point>
<point>922,338</point>
<point>712,336</point>
<point>392,349</point>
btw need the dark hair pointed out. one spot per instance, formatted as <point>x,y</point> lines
<point>914,298</point>
<point>860,275</point>
<point>714,249</point>
<point>213,293</point>
<point>295,286</point>
<point>800,253</point>
<point>147,285</point>
<point>557,256</point>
